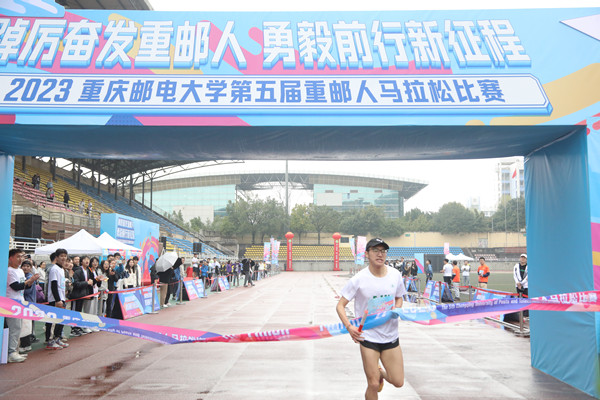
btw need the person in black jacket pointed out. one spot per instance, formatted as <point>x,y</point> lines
<point>83,285</point>
<point>247,269</point>
<point>164,277</point>
<point>112,286</point>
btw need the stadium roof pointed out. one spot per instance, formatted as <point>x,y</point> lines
<point>252,181</point>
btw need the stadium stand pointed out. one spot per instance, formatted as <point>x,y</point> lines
<point>23,187</point>
<point>300,252</point>
<point>121,206</point>
<point>409,252</point>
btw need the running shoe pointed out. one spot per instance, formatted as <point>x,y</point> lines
<point>52,345</point>
<point>61,343</point>
<point>15,357</point>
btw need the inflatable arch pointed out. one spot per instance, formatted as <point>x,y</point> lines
<point>331,86</point>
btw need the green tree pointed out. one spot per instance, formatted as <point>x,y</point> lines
<point>300,220</point>
<point>454,218</point>
<point>322,218</point>
<point>513,220</point>
<point>416,220</point>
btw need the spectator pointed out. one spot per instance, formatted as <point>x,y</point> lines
<point>41,271</point>
<point>66,199</point>
<point>90,305</point>
<point>90,208</point>
<point>466,272</point>
<point>414,270</point>
<point>35,181</point>
<point>81,206</point>
<point>50,194</point>
<point>247,266</point>
<point>164,277</point>
<point>56,282</point>
<point>204,272</point>
<point>196,265</point>
<point>455,280</point>
<point>177,277</point>
<point>112,286</point>
<point>132,279</point>
<point>484,272</point>
<point>83,285</point>
<point>521,281</point>
<point>15,287</point>
<point>428,271</point>
<point>102,272</point>
<point>447,271</point>
<point>30,294</point>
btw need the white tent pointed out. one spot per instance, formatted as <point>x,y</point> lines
<point>80,243</point>
<point>112,245</point>
<point>459,257</point>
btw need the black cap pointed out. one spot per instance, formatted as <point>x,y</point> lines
<point>376,242</point>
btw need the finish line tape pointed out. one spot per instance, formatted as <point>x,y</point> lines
<point>430,315</point>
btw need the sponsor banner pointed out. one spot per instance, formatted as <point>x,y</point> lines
<point>200,289</point>
<point>223,283</point>
<point>275,252</point>
<point>190,289</point>
<point>267,251</point>
<point>138,302</point>
<point>420,261</point>
<point>361,244</point>
<point>429,315</point>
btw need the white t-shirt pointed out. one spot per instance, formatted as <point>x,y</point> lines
<point>447,269</point>
<point>15,275</point>
<point>195,262</point>
<point>466,270</point>
<point>56,274</point>
<point>365,286</point>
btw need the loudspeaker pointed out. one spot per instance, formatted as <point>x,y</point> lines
<point>163,241</point>
<point>197,247</point>
<point>28,225</point>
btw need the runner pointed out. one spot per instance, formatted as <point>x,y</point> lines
<point>379,282</point>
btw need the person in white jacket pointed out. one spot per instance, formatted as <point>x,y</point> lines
<point>520,275</point>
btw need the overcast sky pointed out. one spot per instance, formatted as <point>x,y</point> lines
<point>447,180</point>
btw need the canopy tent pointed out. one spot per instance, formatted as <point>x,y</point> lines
<point>111,245</point>
<point>80,243</point>
<point>459,257</point>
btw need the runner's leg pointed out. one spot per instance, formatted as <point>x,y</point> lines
<point>393,362</point>
<point>370,359</point>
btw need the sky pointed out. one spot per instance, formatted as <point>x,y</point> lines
<point>447,181</point>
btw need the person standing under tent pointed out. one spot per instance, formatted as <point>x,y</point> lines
<point>484,273</point>
<point>382,342</point>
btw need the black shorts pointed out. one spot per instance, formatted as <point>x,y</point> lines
<point>380,346</point>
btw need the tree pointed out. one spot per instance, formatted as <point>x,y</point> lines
<point>510,221</point>
<point>300,220</point>
<point>322,218</point>
<point>454,218</point>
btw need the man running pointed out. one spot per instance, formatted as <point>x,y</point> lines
<point>379,343</point>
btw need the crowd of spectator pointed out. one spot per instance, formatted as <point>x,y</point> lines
<point>88,284</point>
